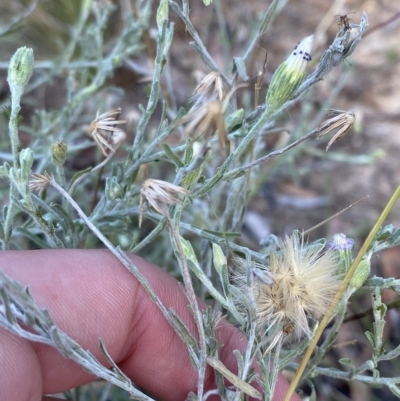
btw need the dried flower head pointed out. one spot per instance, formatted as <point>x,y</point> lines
<point>105,133</point>
<point>210,88</point>
<point>205,120</point>
<point>343,120</point>
<point>159,194</point>
<point>40,182</point>
<point>305,282</point>
<point>207,117</point>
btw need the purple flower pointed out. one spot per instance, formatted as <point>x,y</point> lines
<point>340,243</point>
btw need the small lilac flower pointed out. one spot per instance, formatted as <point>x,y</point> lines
<point>340,243</point>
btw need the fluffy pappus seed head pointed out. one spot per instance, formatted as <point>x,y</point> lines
<point>305,280</point>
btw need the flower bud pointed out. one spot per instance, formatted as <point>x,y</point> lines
<point>113,188</point>
<point>344,246</point>
<point>162,13</point>
<point>26,158</point>
<point>21,68</point>
<point>220,261</point>
<point>289,75</point>
<point>58,153</point>
<point>361,275</point>
<point>20,175</point>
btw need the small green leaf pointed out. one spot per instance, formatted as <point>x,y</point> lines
<point>394,389</point>
<point>197,270</point>
<point>162,13</point>
<point>223,234</point>
<point>370,337</point>
<point>33,237</point>
<point>241,68</point>
<point>78,174</point>
<point>188,156</point>
<point>173,157</point>
<point>221,266</point>
<point>220,261</point>
<point>313,395</point>
<point>347,362</point>
<point>234,120</point>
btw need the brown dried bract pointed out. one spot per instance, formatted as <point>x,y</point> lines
<point>343,120</point>
<point>210,88</point>
<point>206,119</point>
<point>105,133</point>
<point>39,182</point>
<point>158,194</point>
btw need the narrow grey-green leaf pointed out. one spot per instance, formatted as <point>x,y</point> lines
<point>172,156</point>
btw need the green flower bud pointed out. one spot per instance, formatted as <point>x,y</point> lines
<point>220,261</point>
<point>113,188</point>
<point>58,153</point>
<point>234,120</point>
<point>21,68</point>
<point>344,246</point>
<point>188,251</point>
<point>361,275</point>
<point>20,176</point>
<point>26,158</point>
<point>289,75</point>
<point>162,13</point>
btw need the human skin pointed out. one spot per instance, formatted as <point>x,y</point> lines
<point>91,295</point>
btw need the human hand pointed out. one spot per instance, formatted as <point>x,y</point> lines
<point>89,295</point>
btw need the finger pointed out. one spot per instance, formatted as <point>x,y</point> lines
<point>18,362</point>
<point>90,295</point>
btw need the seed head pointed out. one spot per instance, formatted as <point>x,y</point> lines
<point>343,120</point>
<point>205,120</point>
<point>40,182</point>
<point>103,130</point>
<point>158,194</point>
<point>289,75</point>
<point>305,281</point>
<point>210,88</point>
